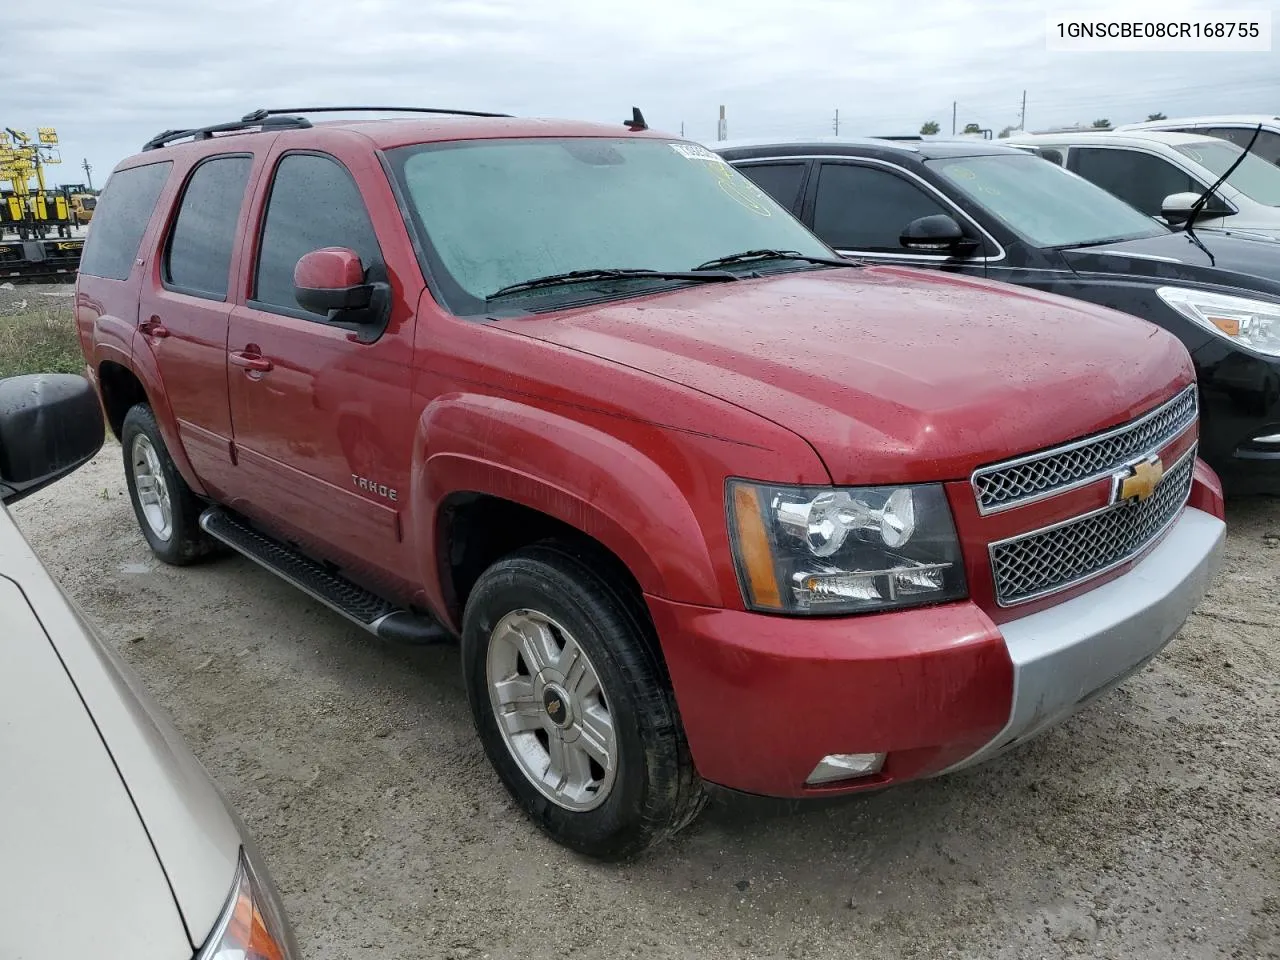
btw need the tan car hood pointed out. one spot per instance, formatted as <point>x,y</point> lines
<point>76,727</point>
<point>80,878</point>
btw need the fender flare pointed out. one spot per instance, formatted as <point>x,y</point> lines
<point>145,368</point>
<point>582,476</point>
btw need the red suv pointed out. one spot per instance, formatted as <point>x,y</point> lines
<point>702,502</point>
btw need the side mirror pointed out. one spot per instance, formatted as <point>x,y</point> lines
<point>50,424</point>
<point>331,281</point>
<point>938,232</point>
<point>1176,208</point>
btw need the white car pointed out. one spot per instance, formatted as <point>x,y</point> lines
<point>1238,128</point>
<point>1149,168</point>
<point>115,843</point>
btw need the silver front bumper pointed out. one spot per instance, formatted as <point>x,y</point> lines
<point>1067,655</point>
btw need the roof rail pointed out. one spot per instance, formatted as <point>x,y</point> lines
<point>898,136</point>
<point>259,115</point>
<point>207,133</point>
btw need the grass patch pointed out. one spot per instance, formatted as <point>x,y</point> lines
<point>39,339</point>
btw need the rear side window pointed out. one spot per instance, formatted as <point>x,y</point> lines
<point>314,203</point>
<point>198,259</point>
<point>865,208</point>
<point>1140,179</point>
<point>121,218</point>
<point>781,181</point>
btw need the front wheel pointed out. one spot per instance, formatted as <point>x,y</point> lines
<point>573,707</point>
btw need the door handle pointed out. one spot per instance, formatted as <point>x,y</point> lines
<point>153,328</point>
<point>251,361</point>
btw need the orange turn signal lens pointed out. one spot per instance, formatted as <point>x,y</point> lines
<point>755,556</point>
<point>1228,325</point>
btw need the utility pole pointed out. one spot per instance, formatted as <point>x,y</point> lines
<point>722,128</point>
<point>953,118</point>
<point>681,129</point>
<point>836,124</point>
<point>1022,121</point>
<point>88,171</point>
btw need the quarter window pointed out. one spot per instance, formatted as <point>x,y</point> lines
<point>782,181</point>
<point>314,203</point>
<point>865,208</point>
<point>127,202</point>
<point>198,260</point>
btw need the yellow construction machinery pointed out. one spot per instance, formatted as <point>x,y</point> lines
<point>36,222</point>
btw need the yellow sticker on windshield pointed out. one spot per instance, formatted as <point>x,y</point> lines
<point>743,190</point>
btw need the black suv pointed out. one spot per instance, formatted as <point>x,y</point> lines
<point>993,211</point>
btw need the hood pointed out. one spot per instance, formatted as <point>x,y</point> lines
<point>80,877</point>
<point>1250,264</point>
<point>187,824</point>
<point>892,374</point>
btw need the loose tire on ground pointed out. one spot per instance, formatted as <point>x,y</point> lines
<point>147,464</point>
<point>545,598</point>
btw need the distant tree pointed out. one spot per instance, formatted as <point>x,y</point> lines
<point>929,128</point>
<point>1006,131</point>
<point>972,128</point>
<point>1156,116</point>
<point>1102,124</point>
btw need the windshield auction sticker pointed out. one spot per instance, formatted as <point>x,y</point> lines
<point>1146,27</point>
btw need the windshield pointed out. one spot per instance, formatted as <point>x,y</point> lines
<point>1044,204</point>
<point>1255,178</point>
<point>500,212</point>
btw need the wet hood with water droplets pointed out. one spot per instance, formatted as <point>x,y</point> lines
<point>891,374</point>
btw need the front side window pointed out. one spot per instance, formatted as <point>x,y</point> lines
<point>1044,204</point>
<point>1142,180</point>
<point>501,212</point>
<point>866,208</point>
<point>198,259</point>
<point>314,203</point>
<point>1255,178</point>
<point>128,201</point>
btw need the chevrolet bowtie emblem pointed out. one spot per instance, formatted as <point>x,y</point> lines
<point>1139,481</point>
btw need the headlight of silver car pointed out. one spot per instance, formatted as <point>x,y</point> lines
<point>828,550</point>
<point>1254,324</point>
<point>251,926</point>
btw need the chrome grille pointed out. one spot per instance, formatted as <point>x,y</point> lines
<point>1038,475</point>
<point>1035,564</point>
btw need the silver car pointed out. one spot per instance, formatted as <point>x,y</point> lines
<point>114,841</point>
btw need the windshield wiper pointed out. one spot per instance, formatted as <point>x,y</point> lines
<point>750,256</point>
<point>613,273</point>
<point>1204,197</point>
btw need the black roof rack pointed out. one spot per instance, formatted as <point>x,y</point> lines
<point>207,133</point>
<point>290,120</point>
<point>258,115</point>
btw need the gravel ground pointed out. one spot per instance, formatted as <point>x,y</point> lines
<point>15,297</point>
<point>1145,827</point>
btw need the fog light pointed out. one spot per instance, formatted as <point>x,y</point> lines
<point>845,766</point>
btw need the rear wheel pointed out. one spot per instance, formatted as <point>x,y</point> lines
<point>573,706</point>
<point>168,512</point>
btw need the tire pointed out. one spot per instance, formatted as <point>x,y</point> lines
<point>653,789</point>
<point>181,541</point>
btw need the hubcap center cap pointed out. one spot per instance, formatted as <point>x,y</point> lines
<point>556,702</point>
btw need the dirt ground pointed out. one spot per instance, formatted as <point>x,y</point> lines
<point>1148,826</point>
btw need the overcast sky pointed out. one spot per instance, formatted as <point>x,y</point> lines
<point>108,76</point>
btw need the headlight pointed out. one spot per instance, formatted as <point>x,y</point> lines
<point>815,550</point>
<point>252,925</point>
<point>1251,323</point>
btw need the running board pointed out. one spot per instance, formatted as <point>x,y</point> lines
<point>362,607</point>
